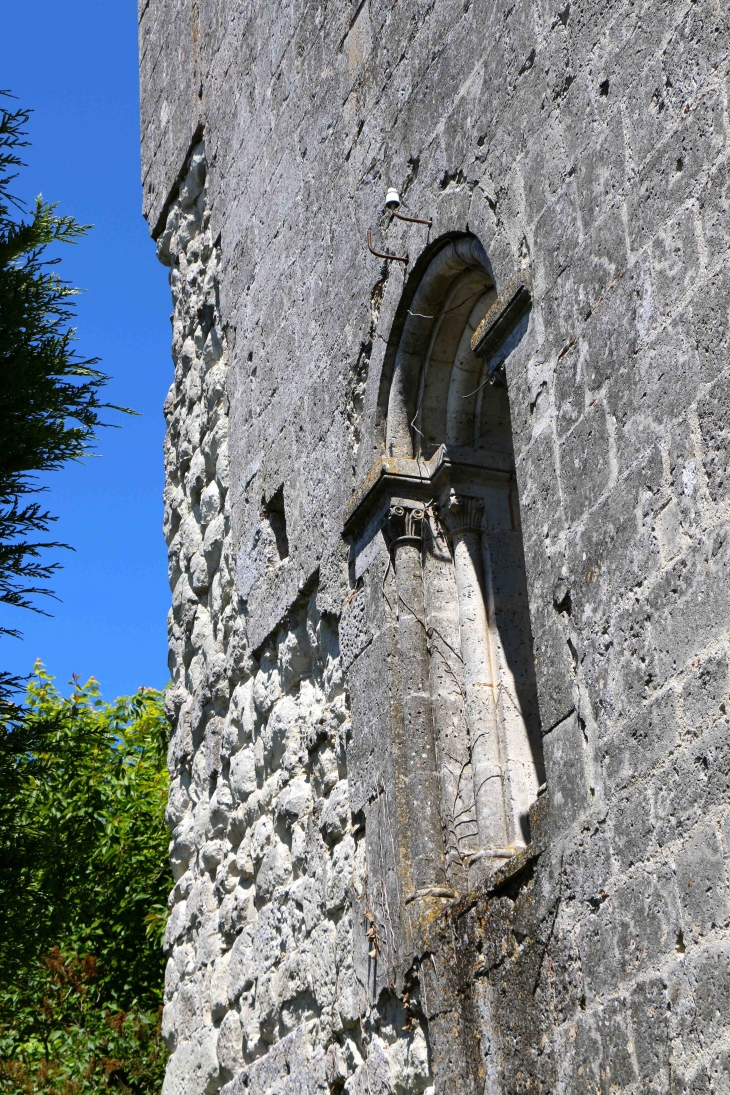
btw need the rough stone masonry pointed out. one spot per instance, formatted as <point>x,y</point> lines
<point>447,515</point>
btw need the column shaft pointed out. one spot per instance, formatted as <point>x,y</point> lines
<point>419,786</point>
<point>481,685</point>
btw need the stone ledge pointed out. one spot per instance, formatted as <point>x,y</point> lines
<point>503,316</point>
<point>417,478</point>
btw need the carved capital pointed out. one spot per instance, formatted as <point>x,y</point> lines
<point>461,513</point>
<point>404,523</point>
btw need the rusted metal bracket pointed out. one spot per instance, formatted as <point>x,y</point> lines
<point>412,220</point>
<point>383,254</point>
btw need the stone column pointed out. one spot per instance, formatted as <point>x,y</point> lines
<point>418,786</point>
<point>462,517</point>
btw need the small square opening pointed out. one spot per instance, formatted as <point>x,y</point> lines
<point>276,516</point>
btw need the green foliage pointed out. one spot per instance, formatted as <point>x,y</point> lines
<point>83,783</point>
<point>83,885</point>
<point>49,395</point>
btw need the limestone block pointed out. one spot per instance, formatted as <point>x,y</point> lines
<point>237,909</point>
<point>212,854</point>
<point>266,940</point>
<point>201,631</point>
<point>183,955</point>
<point>219,987</point>
<point>335,819</point>
<point>244,859</point>
<point>268,1005</point>
<point>336,1065</point>
<point>266,686</point>
<point>195,480</point>
<point>190,438</point>
<point>261,837</point>
<point>350,1001</point>
<point>325,770</point>
<point>221,803</point>
<point>215,383</point>
<point>201,816</point>
<point>258,557</point>
<point>193,388</point>
<point>241,966</point>
<point>294,655</point>
<point>282,731</point>
<point>230,1051</point>
<point>295,975</point>
<point>213,349</point>
<point>187,228</point>
<point>213,541</point>
<point>308,894</point>
<point>192,1012</point>
<point>182,848</point>
<point>210,942</point>
<point>169,1025</point>
<point>178,803</point>
<point>373,1076</point>
<point>172,978</point>
<point>298,847</point>
<point>243,773</point>
<point>702,883</point>
<point>339,868</point>
<point>242,706</point>
<point>292,1067</point>
<point>275,870</point>
<point>198,1069</point>
<point>323,966</point>
<point>210,502</point>
<point>566,771</point>
<point>410,1073</point>
<point>215,444</point>
<point>253,1043</point>
<point>177,924</point>
<point>202,900</point>
<point>187,354</point>
<point>295,801</point>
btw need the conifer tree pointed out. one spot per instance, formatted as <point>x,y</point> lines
<point>50,402</point>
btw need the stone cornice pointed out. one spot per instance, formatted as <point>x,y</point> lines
<point>421,480</point>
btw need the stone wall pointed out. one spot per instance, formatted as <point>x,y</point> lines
<point>584,145</point>
<point>267,862</point>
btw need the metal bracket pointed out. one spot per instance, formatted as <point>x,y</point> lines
<point>383,254</point>
<point>412,220</point>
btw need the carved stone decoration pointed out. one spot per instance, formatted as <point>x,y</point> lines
<point>461,513</point>
<point>404,524</point>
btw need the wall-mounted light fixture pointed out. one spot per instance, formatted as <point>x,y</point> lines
<point>392,204</point>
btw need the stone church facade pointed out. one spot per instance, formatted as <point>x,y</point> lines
<point>447,503</point>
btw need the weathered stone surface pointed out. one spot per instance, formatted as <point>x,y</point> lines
<point>586,144</point>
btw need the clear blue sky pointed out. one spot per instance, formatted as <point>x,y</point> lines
<point>75,65</point>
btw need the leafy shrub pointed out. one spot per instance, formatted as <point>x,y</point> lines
<point>83,883</point>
